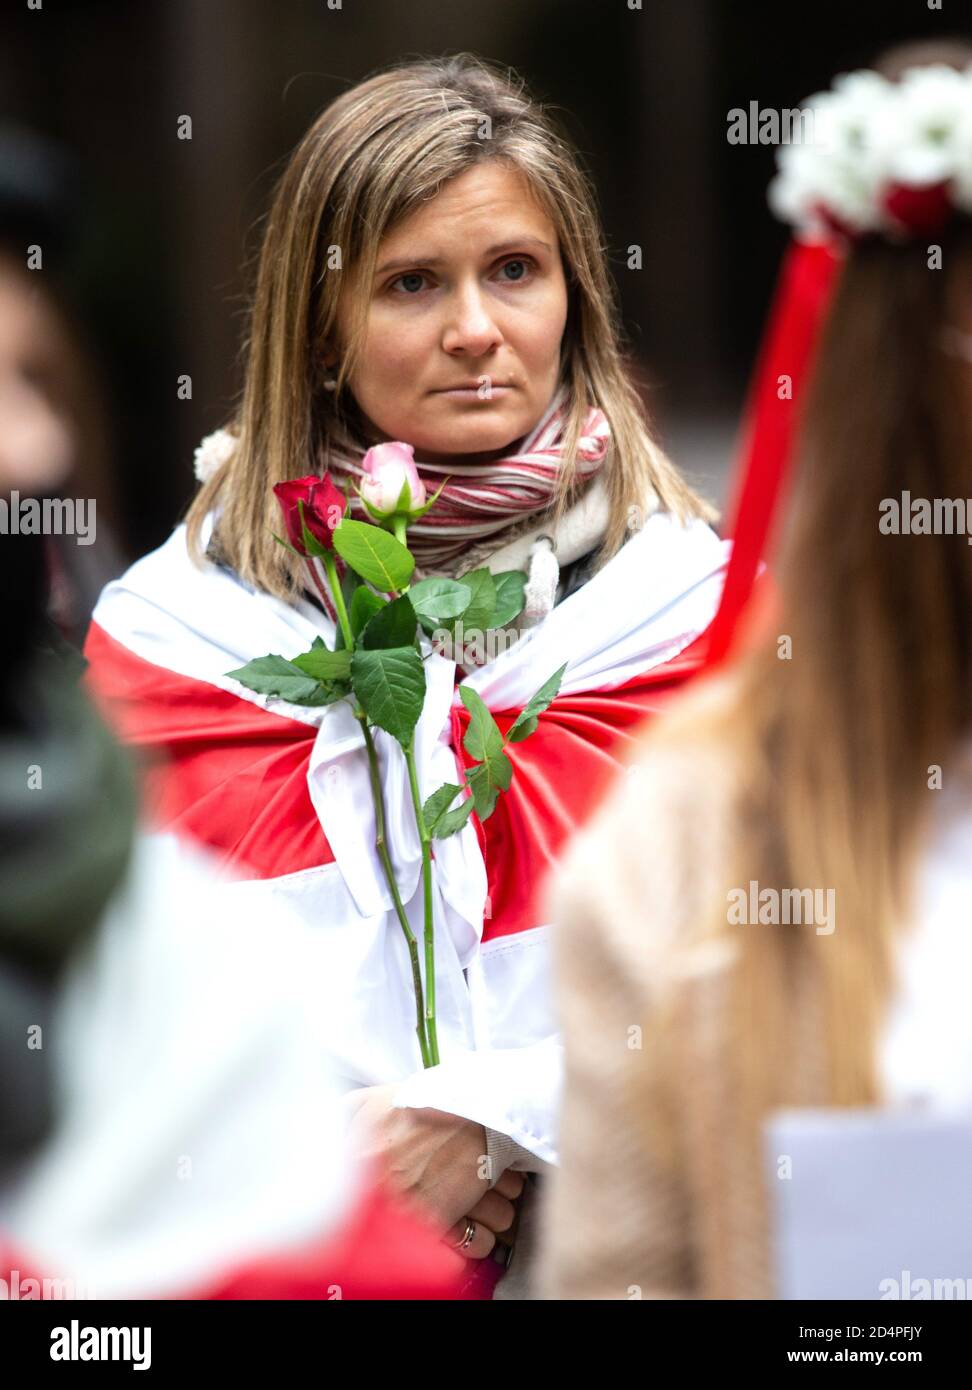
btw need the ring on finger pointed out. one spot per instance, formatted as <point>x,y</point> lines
<point>467,1236</point>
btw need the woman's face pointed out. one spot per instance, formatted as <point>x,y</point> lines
<point>469,292</point>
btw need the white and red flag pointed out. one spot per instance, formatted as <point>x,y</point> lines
<point>281,793</point>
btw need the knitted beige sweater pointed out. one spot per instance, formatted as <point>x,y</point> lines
<point>627,1215</point>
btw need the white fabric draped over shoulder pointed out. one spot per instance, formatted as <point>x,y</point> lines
<point>497,1032</point>
<point>198,1124</point>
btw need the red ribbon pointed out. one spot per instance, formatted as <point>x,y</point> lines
<point>803,293</point>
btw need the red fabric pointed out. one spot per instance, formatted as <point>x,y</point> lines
<point>224,771</point>
<point>803,293</point>
<point>234,776</point>
<point>16,1267</point>
<point>379,1251</point>
<point>560,773</point>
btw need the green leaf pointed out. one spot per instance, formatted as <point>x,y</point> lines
<point>274,675</point>
<point>483,738</point>
<point>390,683</point>
<point>324,665</point>
<point>526,720</point>
<point>331,691</point>
<point>484,741</point>
<point>311,544</point>
<point>374,554</point>
<point>437,600</point>
<point>392,626</point>
<point>438,803</point>
<point>452,821</point>
<point>416,512</point>
<point>482,600</point>
<point>286,545</point>
<point>510,586</point>
<point>365,603</point>
<point>319,644</point>
<point>487,780</point>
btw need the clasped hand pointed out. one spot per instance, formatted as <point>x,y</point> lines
<point>439,1162</point>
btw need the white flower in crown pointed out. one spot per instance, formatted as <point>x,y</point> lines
<point>885,157</point>
<point>839,169</point>
<point>927,128</point>
<point>215,450</point>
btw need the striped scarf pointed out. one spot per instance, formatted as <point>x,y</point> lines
<point>482,500</point>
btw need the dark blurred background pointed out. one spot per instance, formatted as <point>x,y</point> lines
<point>156,275</point>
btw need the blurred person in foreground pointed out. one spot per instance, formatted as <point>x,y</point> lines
<point>168,1126</point>
<point>834,755</point>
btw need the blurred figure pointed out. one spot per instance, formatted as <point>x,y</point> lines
<point>167,1120</point>
<point>67,795</point>
<point>771,910</point>
<point>197,1149</point>
<point>54,436</point>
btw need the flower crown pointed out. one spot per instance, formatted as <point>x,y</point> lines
<point>891,159</point>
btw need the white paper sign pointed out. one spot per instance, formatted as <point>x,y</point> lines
<point>870,1204</point>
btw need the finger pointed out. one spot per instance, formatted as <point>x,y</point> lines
<point>480,1245</point>
<point>494,1211</point>
<point>510,1185</point>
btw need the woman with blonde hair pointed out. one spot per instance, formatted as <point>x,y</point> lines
<point>431,273</point>
<point>830,761</point>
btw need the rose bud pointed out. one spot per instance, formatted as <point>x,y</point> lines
<point>323,507</point>
<point>389,468</point>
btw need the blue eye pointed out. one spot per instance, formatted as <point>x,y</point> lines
<point>523,263</point>
<point>409,275</point>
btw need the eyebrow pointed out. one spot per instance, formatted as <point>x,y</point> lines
<point>512,245</point>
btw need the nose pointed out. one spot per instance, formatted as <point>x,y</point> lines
<point>470,329</point>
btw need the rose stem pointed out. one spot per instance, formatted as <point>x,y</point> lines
<point>427,892</point>
<point>381,844</point>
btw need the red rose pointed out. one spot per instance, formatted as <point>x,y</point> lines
<point>323,507</point>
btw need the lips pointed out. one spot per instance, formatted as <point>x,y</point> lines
<point>474,385</point>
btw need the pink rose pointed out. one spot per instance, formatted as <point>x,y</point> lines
<point>388,469</point>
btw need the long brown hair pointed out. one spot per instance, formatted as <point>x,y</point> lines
<point>835,749</point>
<point>372,156</point>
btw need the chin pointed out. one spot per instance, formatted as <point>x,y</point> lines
<point>472,434</point>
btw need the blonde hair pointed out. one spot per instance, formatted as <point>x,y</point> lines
<point>372,156</point>
<point>833,749</point>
